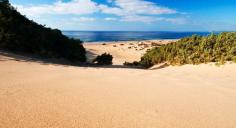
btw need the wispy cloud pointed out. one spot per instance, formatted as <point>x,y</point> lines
<point>124,10</point>
<point>136,10</point>
<point>78,7</point>
<point>110,19</point>
<point>135,7</point>
<point>151,19</point>
<point>83,19</point>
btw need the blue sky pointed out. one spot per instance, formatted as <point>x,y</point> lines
<point>132,15</point>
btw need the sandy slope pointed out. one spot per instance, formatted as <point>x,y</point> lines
<point>39,95</point>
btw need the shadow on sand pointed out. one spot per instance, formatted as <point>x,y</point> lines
<point>6,56</point>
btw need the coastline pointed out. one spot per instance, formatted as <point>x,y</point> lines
<point>135,78</point>
<point>128,41</point>
<point>110,36</point>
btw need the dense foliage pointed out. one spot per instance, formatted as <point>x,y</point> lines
<point>104,59</point>
<point>18,34</point>
<point>135,63</point>
<point>194,50</point>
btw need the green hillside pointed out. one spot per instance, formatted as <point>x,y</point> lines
<point>194,50</point>
<point>19,34</point>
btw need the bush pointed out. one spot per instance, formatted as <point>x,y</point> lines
<point>194,50</point>
<point>104,59</point>
<point>19,34</point>
<point>135,63</point>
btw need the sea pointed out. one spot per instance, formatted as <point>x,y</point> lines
<point>113,36</point>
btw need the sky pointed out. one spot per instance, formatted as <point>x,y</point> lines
<point>132,15</point>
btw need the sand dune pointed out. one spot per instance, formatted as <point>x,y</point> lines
<point>44,95</point>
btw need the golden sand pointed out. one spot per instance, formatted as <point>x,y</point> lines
<point>44,95</point>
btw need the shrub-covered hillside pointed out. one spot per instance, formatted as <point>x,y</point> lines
<point>194,50</point>
<point>18,34</point>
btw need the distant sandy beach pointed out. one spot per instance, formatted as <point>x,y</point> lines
<point>122,51</point>
<point>35,94</point>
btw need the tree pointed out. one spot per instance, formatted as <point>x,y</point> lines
<point>6,2</point>
<point>19,34</point>
<point>104,59</point>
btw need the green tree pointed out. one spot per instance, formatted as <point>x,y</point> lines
<point>19,34</point>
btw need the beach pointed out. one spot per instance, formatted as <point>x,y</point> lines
<point>38,94</point>
<point>123,51</point>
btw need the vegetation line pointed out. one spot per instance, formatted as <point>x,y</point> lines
<point>194,50</point>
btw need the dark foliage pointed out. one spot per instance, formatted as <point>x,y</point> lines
<point>19,34</point>
<point>194,50</point>
<point>104,59</point>
<point>135,64</point>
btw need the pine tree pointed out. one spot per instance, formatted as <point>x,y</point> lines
<point>4,1</point>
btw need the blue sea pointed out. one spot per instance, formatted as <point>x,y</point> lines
<point>105,36</point>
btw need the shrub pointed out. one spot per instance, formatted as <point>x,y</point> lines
<point>135,63</point>
<point>194,50</point>
<point>19,34</point>
<point>104,59</point>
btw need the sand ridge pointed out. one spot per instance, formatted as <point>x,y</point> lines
<point>36,94</point>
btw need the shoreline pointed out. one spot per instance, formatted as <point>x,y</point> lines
<point>127,41</point>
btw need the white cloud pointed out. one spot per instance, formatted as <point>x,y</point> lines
<point>78,7</point>
<point>109,1</point>
<point>176,20</point>
<point>126,10</point>
<point>83,19</point>
<point>136,10</point>
<point>151,19</point>
<point>112,10</point>
<point>124,7</point>
<point>137,18</point>
<point>111,19</point>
